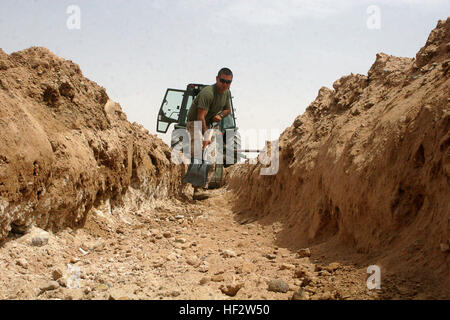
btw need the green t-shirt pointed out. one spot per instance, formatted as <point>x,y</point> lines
<point>209,99</point>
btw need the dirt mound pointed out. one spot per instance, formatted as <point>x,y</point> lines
<point>67,148</point>
<point>367,167</point>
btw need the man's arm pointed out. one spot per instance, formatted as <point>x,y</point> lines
<point>225,112</point>
<point>201,114</point>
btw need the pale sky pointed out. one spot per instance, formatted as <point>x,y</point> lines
<point>281,52</point>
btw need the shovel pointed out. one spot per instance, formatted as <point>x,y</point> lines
<point>197,172</point>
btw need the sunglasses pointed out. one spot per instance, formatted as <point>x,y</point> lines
<point>225,81</point>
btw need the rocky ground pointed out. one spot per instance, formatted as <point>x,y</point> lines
<point>180,250</point>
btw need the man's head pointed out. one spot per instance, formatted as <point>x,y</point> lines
<point>223,79</point>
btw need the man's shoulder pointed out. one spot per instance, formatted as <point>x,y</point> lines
<point>207,91</point>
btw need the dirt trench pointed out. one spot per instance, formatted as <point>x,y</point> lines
<point>183,250</point>
<point>363,186</point>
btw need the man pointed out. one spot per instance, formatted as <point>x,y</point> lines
<point>212,104</point>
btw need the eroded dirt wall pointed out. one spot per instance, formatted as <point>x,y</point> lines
<point>368,164</point>
<point>66,147</point>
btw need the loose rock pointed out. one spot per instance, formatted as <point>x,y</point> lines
<point>56,274</point>
<point>52,285</point>
<point>300,294</point>
<point>301,271</point>
<point>205,280</point>
<point>287,266</point>
<point>332,267</point>
<point>217,278</point>
<point>117,294</point>
<point>62,282</point>
<point>39,237</point>
<point>270,256</point>
<point>23,263</point>
<point>193,261</point>
<point>231,289</point>
<point>278,285</point>
<point>304,253</point>
<point>175,293</point>
<point>228,254</point>
<point>204,267</point>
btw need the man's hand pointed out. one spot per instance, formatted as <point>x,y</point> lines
<point>205,144</point>
<point>221,115</point>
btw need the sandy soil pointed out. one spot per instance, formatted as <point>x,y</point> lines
<point>182,250</point>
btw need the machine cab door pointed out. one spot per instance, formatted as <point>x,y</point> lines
<point>170,109</point>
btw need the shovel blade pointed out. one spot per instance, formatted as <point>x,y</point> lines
<point>197,174</point>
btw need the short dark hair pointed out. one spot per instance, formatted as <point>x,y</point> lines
<point>225,71</point>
